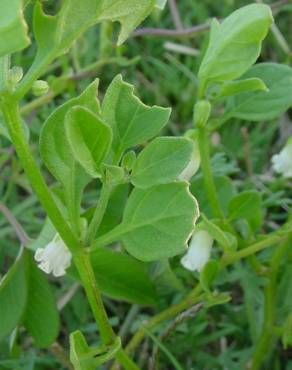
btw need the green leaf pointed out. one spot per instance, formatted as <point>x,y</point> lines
<point>261,105</point>
<point>159,221</point>
<point>287,332</point>
<point>235,44</point>
<point>129,14</point>
<point>122,277</point>
<point>89,138</point>
<point>56,152</point>
<point>247,205</point>
<point>13,29</point>
<point>41,317</point>
<point>115,208</point>
<point>162,161</point>
<point>13,295</point>
<point>208,274</point>
<point>132,122</point>
<point>231,88</point>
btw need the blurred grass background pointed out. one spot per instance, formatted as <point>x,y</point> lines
<point>163,69</point>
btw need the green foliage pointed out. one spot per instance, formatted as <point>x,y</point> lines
<point>122,277</point>
<point>235,44</point>
<point>209,274</point>
<point>13,29</point>
<point>264,105</point>
<point>132,122</point>
<point>247,205</point>
<point>13,295</point>
<point>158,221</point>
<point>162,161</point>
<point>89,139</point>
<point>41,317</point>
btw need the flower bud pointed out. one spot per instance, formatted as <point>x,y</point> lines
<point>199,251</point>
<point>55,258</point>
<point>202,112</point>
<point>40,87</point>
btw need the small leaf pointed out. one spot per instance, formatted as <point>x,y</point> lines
<point>13,295</point>
<point>41,317</point>
<point>231,88</point>
<point>217,299</point>
<point>89,138</point>
<point>261,105</point>
<point>247,205</point>
<point>122,277</point>
<point>13,29</point>
<point>162,161</point>
<point>159,221</point>
<point>84,357</point>
<point>132,122</point>
<point>235,44</point>
<point>208,274</point>
<point>226,240</point>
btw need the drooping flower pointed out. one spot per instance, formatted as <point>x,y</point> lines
<point>282,162</point>
<point>193,165</point>
<point>199,251</point>
<point>55,258</point>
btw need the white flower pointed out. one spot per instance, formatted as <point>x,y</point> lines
<point>193,165</point>
<point>199,251</point>
<point>54,258</point>
<point>282,162</point>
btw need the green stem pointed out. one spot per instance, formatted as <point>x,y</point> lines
<point>108,238</point>
<point>207,173</point>
<point>11,114</point>
<point>84,267</point>
<point>265,342</point>
<point>98,213</point>
<point>252,249</point>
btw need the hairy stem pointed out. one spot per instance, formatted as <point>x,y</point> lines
<point>98,213</point>
<point>207,173</point>
<point>11,114</point>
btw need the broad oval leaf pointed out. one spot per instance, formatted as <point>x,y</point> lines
<point>41,317</point>
<point>132,121</point>
<point>158,221</point>
<point>13,296</point>
<point>89,138</point>
<point>261,105</point>
<point>235,44</point>
<point>122,277</point>
<point>13,29</point>
<point>162,161</point>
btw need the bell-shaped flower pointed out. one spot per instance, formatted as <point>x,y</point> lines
<point>282,162</point>
<point>199,251</point>
<point>55,258</point>
<point>193,165</point>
